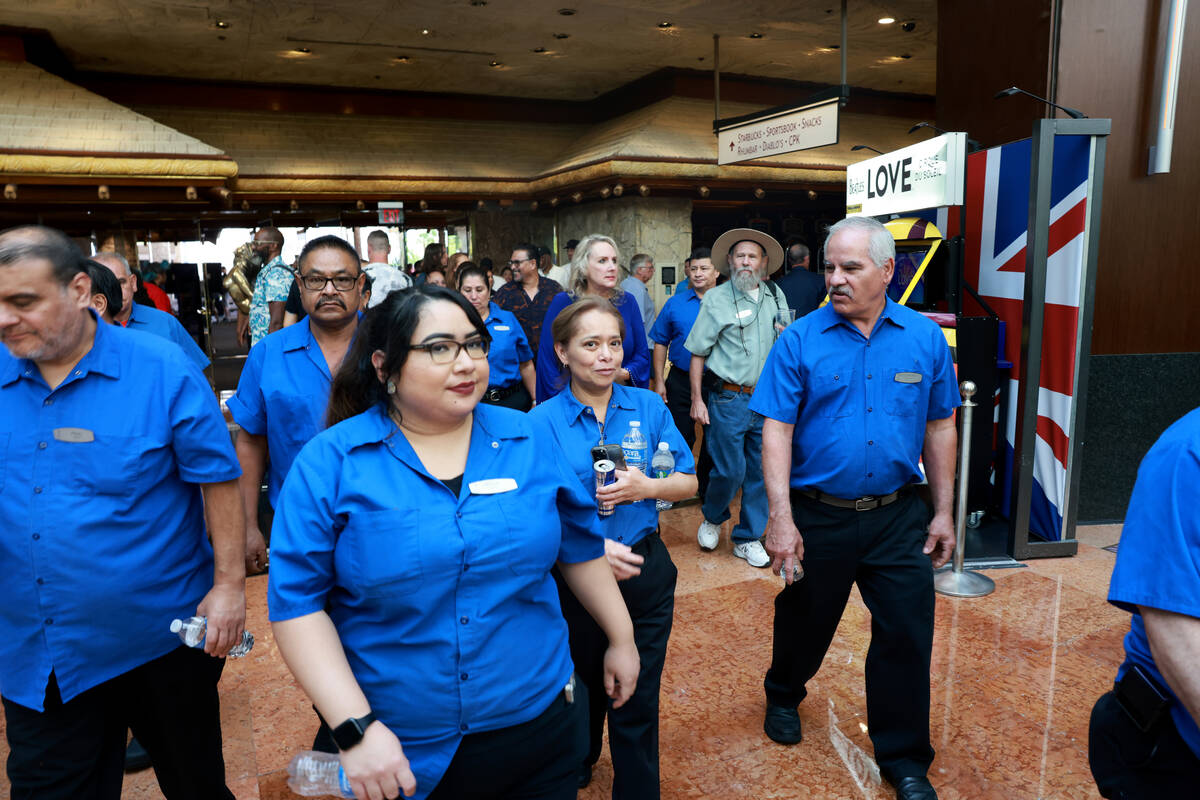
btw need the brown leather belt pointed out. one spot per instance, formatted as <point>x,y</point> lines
<point>868,503</point>
<point>737,387</point>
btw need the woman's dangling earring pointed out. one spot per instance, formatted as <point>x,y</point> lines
<point>391,387</point>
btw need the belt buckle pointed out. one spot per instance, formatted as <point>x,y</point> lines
<point>865,503</point>
<point>492,395</point>
<point>569,690</point>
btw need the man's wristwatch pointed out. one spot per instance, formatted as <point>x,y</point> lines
<point>350,732</point>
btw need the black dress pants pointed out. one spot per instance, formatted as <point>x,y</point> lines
<point>76,749</point>
<point>632,728</point>
<point>679,403</point>
<point>536,760</point>
<point>880,550</point>
<point>1129,764</point>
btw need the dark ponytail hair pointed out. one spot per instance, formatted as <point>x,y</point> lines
<point>466,270</point>
<point>389,327</point>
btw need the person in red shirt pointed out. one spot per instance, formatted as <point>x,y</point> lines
<point>150,278</point>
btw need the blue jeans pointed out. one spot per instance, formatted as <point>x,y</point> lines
<point>734,437</point>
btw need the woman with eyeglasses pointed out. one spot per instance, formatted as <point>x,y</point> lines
<point>594,410</point>
<point>595,271</point>
<point>410,590</point>
<point>510,361</point>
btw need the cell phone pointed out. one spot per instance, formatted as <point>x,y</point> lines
<point>1141,698</point>
<point>612,452</point>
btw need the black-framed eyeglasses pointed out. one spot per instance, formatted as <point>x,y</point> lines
<point>446,351</point>
<point>519,262</point>
<point>316,283</point>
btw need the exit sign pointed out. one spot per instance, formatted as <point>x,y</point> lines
<point>391,213</point>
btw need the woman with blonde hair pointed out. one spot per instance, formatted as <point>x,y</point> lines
<point>595,271</point>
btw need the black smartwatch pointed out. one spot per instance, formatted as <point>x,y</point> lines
<point>350,732</point>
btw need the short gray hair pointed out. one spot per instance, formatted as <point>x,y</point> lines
<point>880,244</point>
<point>639,261</point>
<point>115,256</point>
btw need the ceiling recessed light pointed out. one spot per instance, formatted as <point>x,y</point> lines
<point>756,35</point>
<point>495,64</point>
<point>479,3</point>
<point>403,59</point>
<point>540,50</point>
<point>567,12</point>
<point>425,31</point>
<point>303,50</point>
<point>834,46</point>
<point>222,24</point>
<point>906,55</point>
<point>664,24</point>
<point>562,36</point>
<point>886,20</point>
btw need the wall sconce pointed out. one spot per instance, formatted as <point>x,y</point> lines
<point>294,205</point>
<point>533,206</point>
<point>423,205</point>
<point>10,191</point>
<point>759,194</point>
<point>643,190</point>
<point>618,190</point>
<point>605,192</point>
<point>190,193</point>
<point>479,204</point>
<point>103,193</point>
<point>553,202</point>
<point>704,191</point>
<point>359,205</point>
<point>245,205</point>
<point>577,197</point>
<point>812,194</point>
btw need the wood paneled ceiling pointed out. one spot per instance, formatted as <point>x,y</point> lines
<point>514,48</point>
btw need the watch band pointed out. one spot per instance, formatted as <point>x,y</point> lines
<point>350,732</point>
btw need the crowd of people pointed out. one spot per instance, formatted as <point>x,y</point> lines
<point>467,576</point>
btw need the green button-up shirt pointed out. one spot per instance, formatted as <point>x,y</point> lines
<point>734,332</point>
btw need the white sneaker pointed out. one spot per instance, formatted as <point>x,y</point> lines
<point>753,552</point>
<point>709,535</point>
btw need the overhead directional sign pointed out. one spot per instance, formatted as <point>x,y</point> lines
<point>928,174</point>
<point>779,130</point>
<point>391,213</point>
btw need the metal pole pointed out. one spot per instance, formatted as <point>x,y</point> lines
<point>955,582</point>
<point>845,25</point>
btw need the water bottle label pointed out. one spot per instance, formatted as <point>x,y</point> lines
<point>344,784</point>
<point>662,473</point>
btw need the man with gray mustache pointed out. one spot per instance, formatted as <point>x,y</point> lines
<point>734,330</point>
<point>284,388</point>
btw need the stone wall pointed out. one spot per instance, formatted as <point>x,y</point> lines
<point>658,226</point>
<point>494,232</point>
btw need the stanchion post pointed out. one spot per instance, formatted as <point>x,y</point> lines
<point>955,582</point>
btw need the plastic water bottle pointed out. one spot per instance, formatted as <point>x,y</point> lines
<point>192,631</point>
<point>662,465</point>
<point>313,774</point>
<point>635,447</point>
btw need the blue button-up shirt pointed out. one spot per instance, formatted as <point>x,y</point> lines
<point>509,350</point>
<point>160,323</point>
<point>283,394</point>
<point>1158,564</point>
<point>673,325</point>
<point>576,431</point>
<point>859,405</point>
<point>635,356</point>
<point>444,605</point>
<point>103,541</point>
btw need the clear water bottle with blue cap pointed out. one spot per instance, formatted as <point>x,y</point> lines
<point>635,447</point>
<point>661,466</point>
<point>193,630</point>
<point>313,774</point>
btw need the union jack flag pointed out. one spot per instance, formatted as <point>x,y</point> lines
<point>997,221</point>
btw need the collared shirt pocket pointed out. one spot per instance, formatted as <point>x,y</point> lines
<point>905,389</point>
<point>388,551</point>
<point>4,437</point>
<point>531,529</point>
<point>833,393</point>
<point>105,465</point>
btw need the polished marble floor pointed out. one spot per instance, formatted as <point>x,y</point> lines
<point>1014,678</point>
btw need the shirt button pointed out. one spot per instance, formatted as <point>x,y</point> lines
<point>40,581</point>
<point>463,620</point>
<point>37,490</point>
<point>495,445</point>
<point>869,409</point>
<point>868,376</point>
<point>837,377</point>
<point>466,567</point>
<point>870,474</point>
<point>464,676</point>
<point>49,621</point>
<point>458,514</point>
<point>870,441</point>
<point>37,536</point>
<point>49,401</point>
<point>41,445</point>
<point>463,727</point>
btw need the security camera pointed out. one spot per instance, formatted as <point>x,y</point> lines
<point>908,27</point>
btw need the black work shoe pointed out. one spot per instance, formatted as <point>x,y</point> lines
<point>915,788</point>
<point>782,725</point>
<point>136,757</point>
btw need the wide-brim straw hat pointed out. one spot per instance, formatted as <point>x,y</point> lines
<point>726,241</point>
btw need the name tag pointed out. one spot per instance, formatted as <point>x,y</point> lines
<point>908,377</point>
<point>74,435</point>
<point>492,486</point>
<point>745,312</point>
<point>503,328</point>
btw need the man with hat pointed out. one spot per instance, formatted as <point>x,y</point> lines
<point>734,330</point>
<point>854,394</point>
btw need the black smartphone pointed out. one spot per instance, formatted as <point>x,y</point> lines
<point>612,452</point>
<point>1141,697</point>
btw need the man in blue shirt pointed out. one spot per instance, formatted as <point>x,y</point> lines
<point>283,391</point>
<point>854,394</point>
<point>113,454</point>
<point>641,272</point>
<point>1144,740</point>
<point>144,318</point>
<point>670,331</point>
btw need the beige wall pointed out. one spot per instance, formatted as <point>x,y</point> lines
<point>658,226</point>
